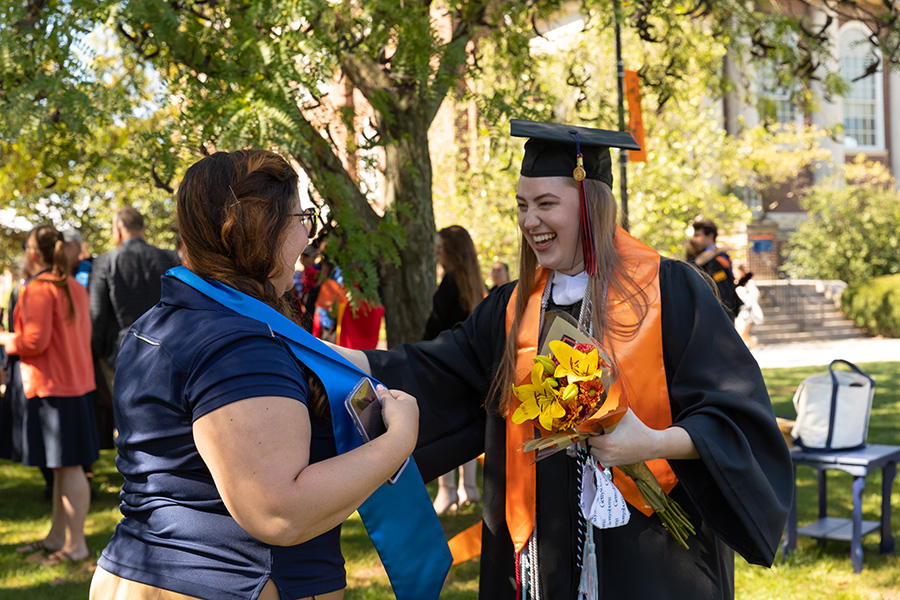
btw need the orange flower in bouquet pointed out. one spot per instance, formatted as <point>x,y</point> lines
<point>568,397</point>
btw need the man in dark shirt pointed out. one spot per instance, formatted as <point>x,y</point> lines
<point>124,284</point>
<point>715,261</point>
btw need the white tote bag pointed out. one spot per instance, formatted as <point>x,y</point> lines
<point>833,409</point>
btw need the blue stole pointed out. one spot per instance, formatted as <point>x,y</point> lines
<point>399,518</point>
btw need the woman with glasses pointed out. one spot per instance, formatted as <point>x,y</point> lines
<point>52,337</point>
<point>233,486</point>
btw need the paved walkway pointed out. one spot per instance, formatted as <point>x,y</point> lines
<point>803,354</point>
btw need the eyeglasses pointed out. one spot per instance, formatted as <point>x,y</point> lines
<point>309,218</point>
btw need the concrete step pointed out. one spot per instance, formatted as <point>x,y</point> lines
<point>803,336</point>
<point>798,311</point>
<point>765,329</point>
<point>791,332</point>
<point>808,324</point>
<point>783,315</point>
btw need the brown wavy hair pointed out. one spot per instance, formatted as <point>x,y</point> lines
<point>233,213</point>
<point>49,243</point>
<point>611,275</point>
<point>462,260</point>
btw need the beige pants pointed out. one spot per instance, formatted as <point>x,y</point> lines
<point>106,586</point>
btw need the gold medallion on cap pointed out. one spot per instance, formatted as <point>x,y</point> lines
<point>579,173</point>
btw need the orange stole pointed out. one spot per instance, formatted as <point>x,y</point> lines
<point>642,379</point>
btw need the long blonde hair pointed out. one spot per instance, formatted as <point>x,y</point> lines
<point>611,279</point>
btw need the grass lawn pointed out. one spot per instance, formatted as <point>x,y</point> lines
<point>814,571</point>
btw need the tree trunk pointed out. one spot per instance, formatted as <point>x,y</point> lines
<point>409,287</point>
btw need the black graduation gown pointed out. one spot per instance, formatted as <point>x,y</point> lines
<point>737,494</point>
<point>446,310</point>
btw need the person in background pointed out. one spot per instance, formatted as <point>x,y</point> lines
<point>14,403</point>
<point>751,312</point>
<point>233,486</point>
<point>311,287</point>
<point>460,291</point>
<point>124,284</point>
<point>704,253</point>
<point>305,272</point>
<point>52,338</point>
<point>499,275</point>
<point>81,268</point>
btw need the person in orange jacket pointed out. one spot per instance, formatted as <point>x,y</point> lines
<point>53,339</point>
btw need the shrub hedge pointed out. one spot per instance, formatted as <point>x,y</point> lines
<point>874,305</point>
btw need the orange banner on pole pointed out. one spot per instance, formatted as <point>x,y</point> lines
<point>635,119</point>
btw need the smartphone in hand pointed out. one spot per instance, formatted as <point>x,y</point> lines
<point>364,407</point>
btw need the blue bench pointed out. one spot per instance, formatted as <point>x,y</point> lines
<point>858,463</point>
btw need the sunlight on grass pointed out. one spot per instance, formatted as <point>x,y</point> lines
<point>812,572</point>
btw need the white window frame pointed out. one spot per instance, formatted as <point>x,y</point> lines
<point>858,30</point>
<point>780,96</point>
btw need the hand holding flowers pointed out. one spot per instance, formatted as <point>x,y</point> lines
<point>632,441</point>
<point>567,397</point>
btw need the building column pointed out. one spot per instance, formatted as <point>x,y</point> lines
<point>893,115</point>
<point>830,113</point>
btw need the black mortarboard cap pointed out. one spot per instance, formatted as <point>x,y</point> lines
<point>551,150</point>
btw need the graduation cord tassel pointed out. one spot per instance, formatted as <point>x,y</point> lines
<point>587,228</point>
<point>587,234</point>
<point>581,534</point>
<point>589,587</point>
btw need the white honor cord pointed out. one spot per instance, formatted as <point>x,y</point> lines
<point>528,568</point>
<point>533,555</point>
<point>573,288</point>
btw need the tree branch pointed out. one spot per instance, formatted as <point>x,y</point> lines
<point>370,78</point>
<point>327,173</point>
<point>158,181</point>
<point>454,56</point>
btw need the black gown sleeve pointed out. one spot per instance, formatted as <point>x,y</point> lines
<point>743,483</point>
<point>450,376</point>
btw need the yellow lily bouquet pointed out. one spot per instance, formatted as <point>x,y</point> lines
<point>567,386</point>
<point>568,397</point>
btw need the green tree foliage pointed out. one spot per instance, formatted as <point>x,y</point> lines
<point>693,167</point>
<point>850,232</point>
<point>175,79</point>
<point>874,305</point>
<point>83,130</point>
<point>273,73</point>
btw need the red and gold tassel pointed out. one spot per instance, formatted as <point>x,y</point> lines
<point>587,228</point>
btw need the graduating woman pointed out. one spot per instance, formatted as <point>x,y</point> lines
<point>699,412</point>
